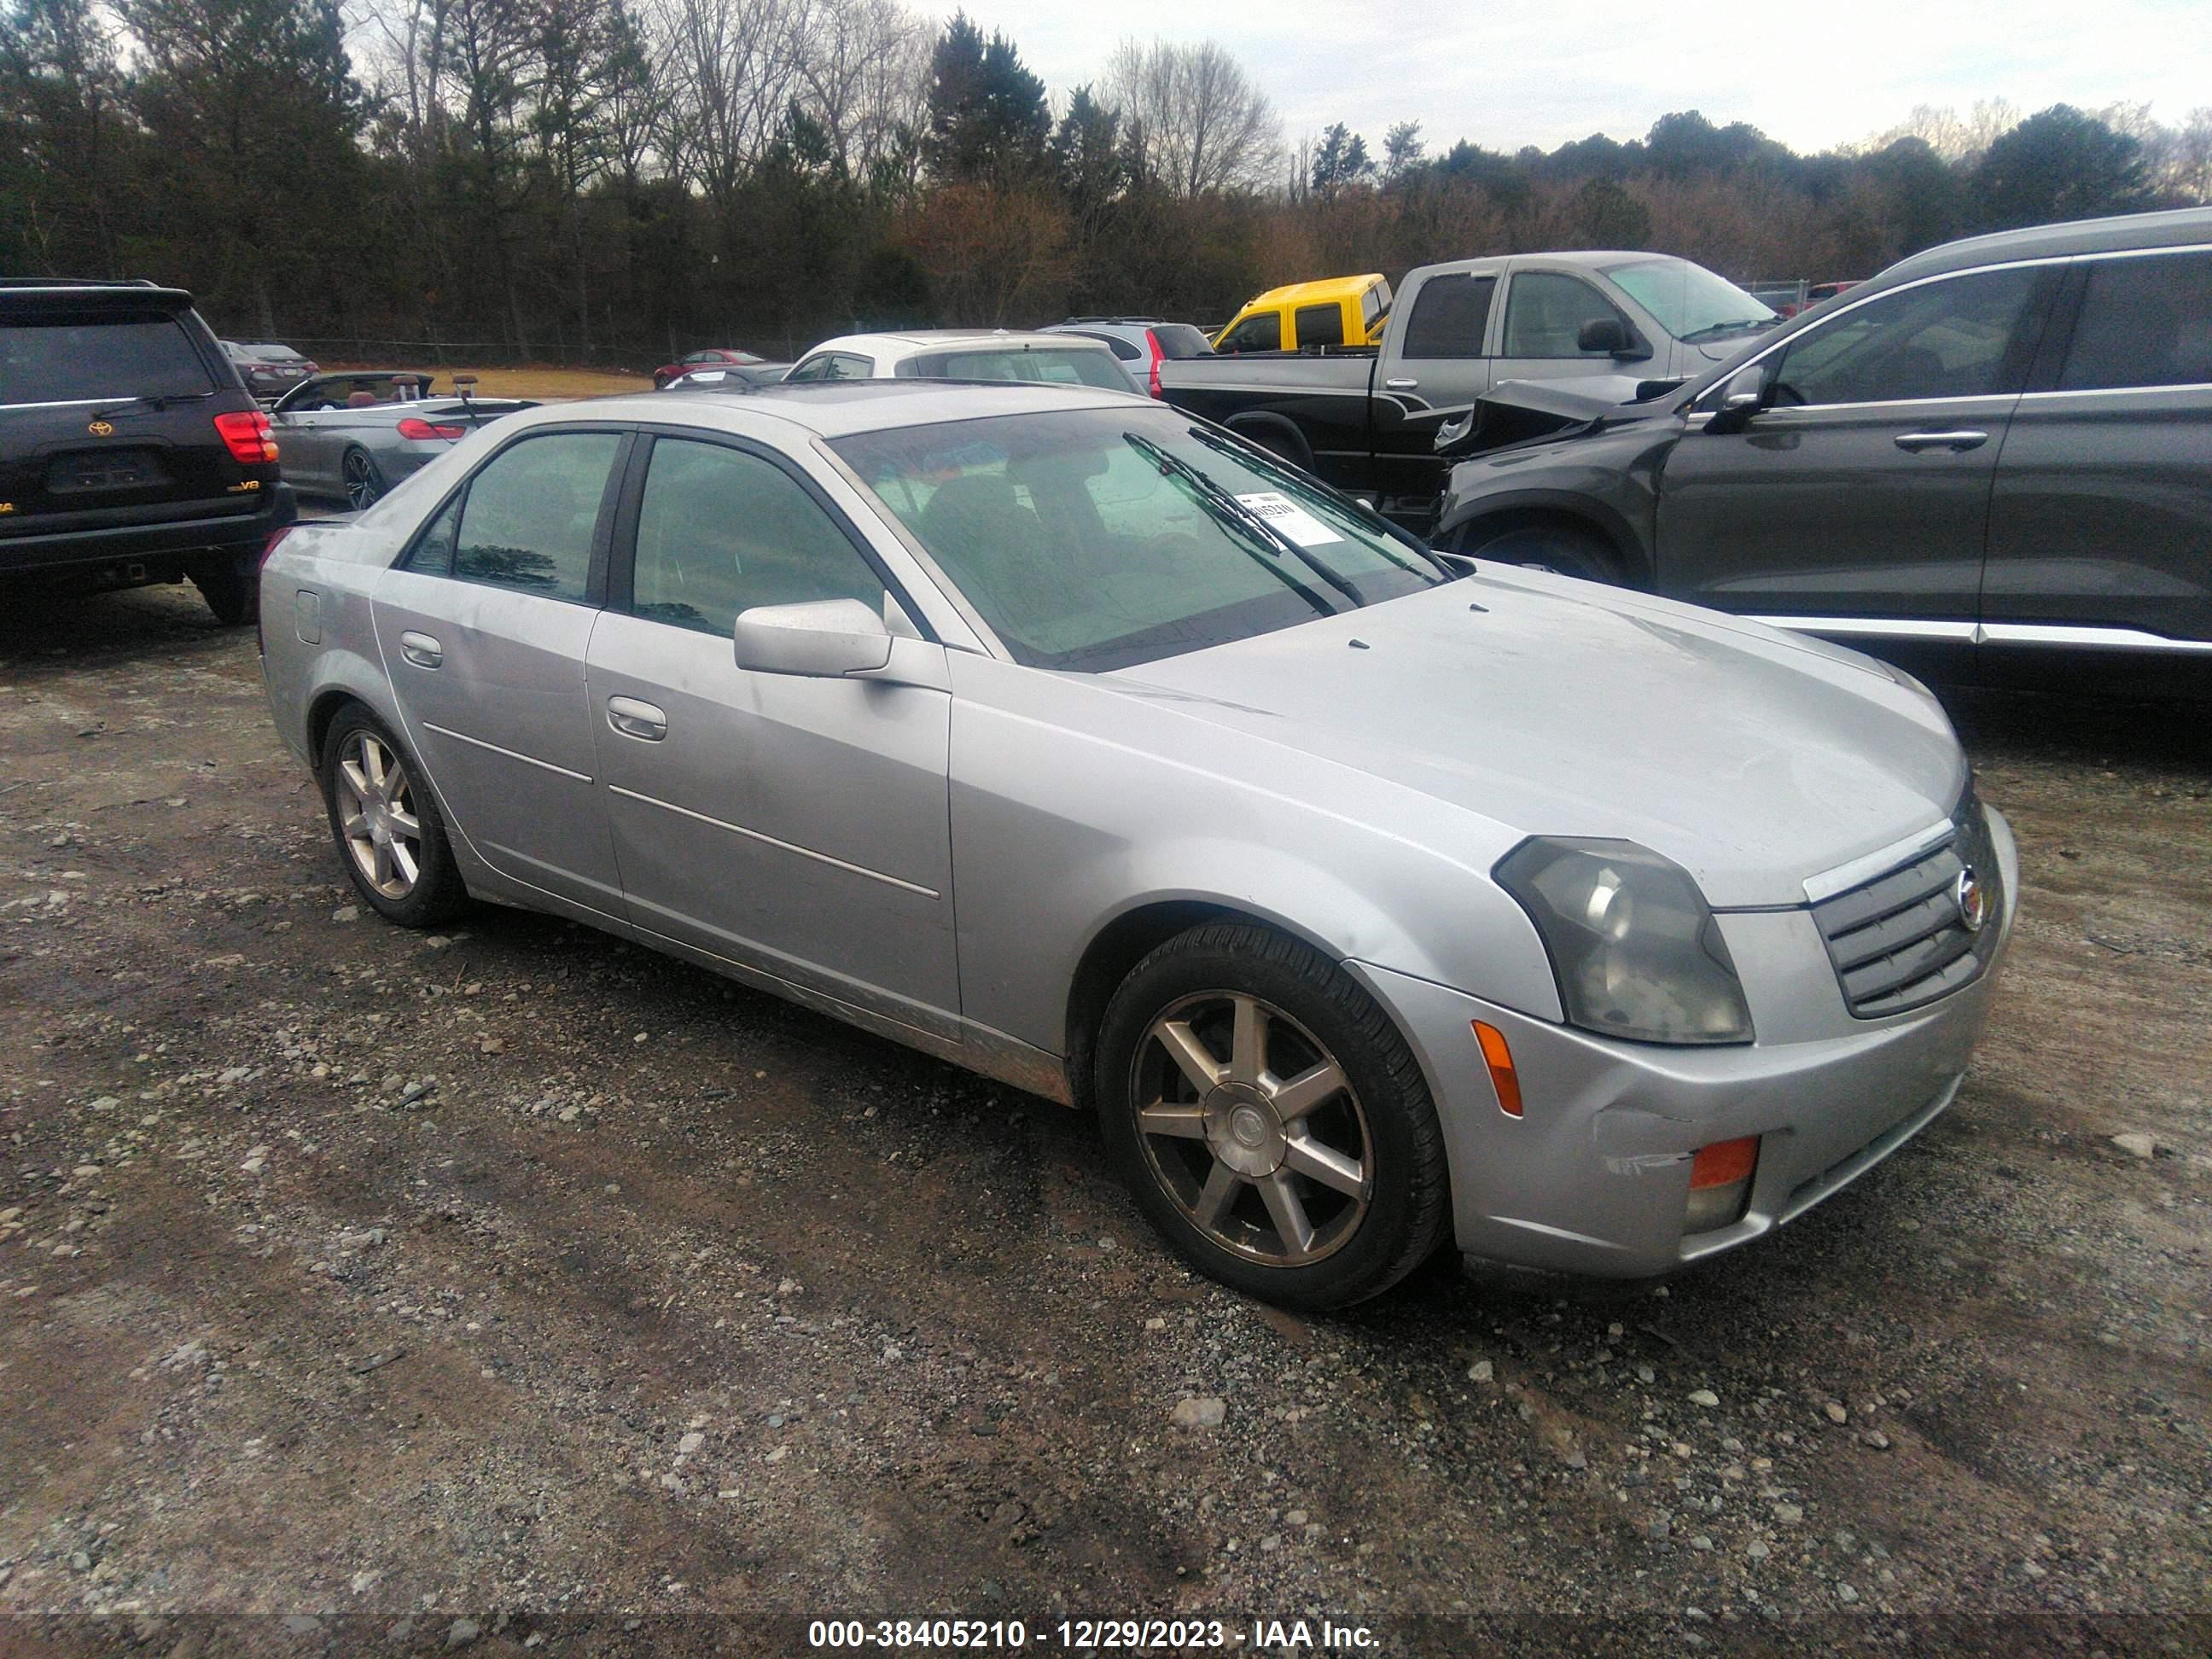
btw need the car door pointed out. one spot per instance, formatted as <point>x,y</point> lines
<point>2100,517</point>
<point>1435,364</point>
<point>302,450</point>
<point>798,826</point>
<point>484,628</point>
<point>1862,489</point>
<point>1545,312</point>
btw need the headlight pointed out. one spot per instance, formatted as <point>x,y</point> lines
<point>1633,943</point>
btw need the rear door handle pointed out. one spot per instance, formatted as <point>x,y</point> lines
<point>1913,443</point>
<point>421,650</point>
<point>1401,383</point>
<point>636,719</point>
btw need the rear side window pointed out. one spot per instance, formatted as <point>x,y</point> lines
<point>1321,326</point>
<point>2144,322</point>
<point>1450,316</point>
<point>1374,303</point>
<point>721,531</point>
<point>1125,349</point>
<point>1263,333</point>
<point>531,514</point>
<point>71,356</point>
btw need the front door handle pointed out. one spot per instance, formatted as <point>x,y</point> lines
<point>421,650</point>
<point>636,719</point>
<point>1913,443</point>
<point>1401,383</point>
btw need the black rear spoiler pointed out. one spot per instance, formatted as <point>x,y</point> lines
<point>57,294</point>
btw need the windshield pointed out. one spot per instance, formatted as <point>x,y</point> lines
<point>1092,539</point>
<point>1690,302</point>
<point>1075,366</point>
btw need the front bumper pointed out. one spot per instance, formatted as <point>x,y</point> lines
<point>1595,1177</point>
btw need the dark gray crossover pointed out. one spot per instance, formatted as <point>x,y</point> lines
<point>2001,449</point>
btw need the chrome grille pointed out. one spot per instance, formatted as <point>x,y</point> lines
<point>1898,940</point>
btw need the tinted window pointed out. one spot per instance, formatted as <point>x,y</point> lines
<point>1077,367</point>
<point>1321,326</point>
<point>1082,550</point>
<point>721,531</point>
<point>1125,349</point>
<point>529,517</point>
<point>1955,338</point>
<point>1181,340</point>
<point>1449,316</point>
<point>2144,322</point>
<point>108,354</point>
<point>1260,333</point>
<point>1545,313</point>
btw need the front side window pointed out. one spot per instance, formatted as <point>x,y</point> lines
<point>1450,316</point>
<point>529,515</point>
<point>2144,322</point>
<point>721,531</point>
<point>1092,539</point>
<point>1960,337</point>
<point>1320,325</point>
<point>1261,333</point>
<point>1545,313</point>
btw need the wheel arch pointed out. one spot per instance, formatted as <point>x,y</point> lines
<point>1495,515</point>
<point>1258,425</point>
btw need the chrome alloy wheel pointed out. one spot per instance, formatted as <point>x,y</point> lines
<point>362,486</point>
<point>1253,1128</point>
<point>376,815</point>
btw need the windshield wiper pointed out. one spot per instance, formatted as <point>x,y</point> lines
<point>1741,325</point>
<point>1226,510</point>
<point>1246,453</point>
<point>156,401</point>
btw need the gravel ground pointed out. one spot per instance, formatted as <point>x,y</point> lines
<point>514,1283</point>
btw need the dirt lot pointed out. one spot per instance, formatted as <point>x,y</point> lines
<point>514,1283</point>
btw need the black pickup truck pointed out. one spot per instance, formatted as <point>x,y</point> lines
<point>129,452</point>
<point>1370,419</point>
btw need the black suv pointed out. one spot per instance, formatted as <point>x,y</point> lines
<point>129,451</point>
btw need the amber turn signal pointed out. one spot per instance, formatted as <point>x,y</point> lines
<point>1724,1162</point>
<point>1499,1059</point>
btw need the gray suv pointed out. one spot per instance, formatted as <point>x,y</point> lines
<point>1994,455</point>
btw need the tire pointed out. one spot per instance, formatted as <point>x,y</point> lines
<point>1559,547</point>
<point>1278,437</point>
<point>1312,1194</point>
<point>231,584</point>
<point>384,821</point>
<point>362,478</point>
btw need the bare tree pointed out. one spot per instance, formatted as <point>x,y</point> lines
<point>866,68</point>
<point>733,67</point>
<point>1198,122</point>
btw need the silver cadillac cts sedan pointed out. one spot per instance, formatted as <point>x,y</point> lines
<point>1367,897</point>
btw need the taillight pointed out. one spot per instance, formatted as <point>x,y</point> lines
<point>416,427</point>
<point>1153,345</point>
<point>249,435</point>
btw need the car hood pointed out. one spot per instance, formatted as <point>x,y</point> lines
<point>1752,757</point>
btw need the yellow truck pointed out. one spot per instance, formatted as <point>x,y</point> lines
<point>1334,311</point>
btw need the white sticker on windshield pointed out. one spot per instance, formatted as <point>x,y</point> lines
<point>1288,517</point>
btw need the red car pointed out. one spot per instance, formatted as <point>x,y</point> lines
<point>712,354</point>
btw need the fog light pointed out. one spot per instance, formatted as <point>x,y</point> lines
<point>1720,1183</point>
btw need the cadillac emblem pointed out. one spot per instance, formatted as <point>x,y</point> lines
<point>1971,898</point>
<point>101,429</point>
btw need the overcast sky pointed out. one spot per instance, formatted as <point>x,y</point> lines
<point>1504,73</point>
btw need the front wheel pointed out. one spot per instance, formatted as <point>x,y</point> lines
<point>364,482</point>
<point>387,824</point>
<point>1270,1120</point>
<point>1560,549</point>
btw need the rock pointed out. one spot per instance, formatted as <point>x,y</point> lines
<point>787,1287</point>
<point>1295,1518</point>
<point>256,1158</point>
<point>1701,1543</point>
<point>1875,1438</point>
<point>1658,1529</point>
<point>1705,1397</point>
<point>1756,1550</point>
<point>690,1443</point>
<point>1155,1324</point>
<point>346,913</point>
<point>1645,1374</point>
<point>1204,1412</point>
<point>2137,1145</point>
<point>1838,1412</point>
<point>1846,1595</point>
<point>461,1632</point>
<point>1789,1514</point>
<point>1480,1372</point>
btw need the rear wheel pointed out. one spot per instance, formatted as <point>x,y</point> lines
<point>1270,1120</point>
<point>1561,548</point>
<point>386,825</point>
<point>364,483</point>
<point>231,584</point>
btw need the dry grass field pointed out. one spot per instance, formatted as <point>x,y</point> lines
<point>535,382</point>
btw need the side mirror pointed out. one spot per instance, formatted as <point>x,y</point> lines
<point>1609,335</point>
<point>1743,396</point>
<point>822,639</point>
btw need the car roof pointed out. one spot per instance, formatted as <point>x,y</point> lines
<point>837,409</point>
<point>43,292</point>
<point>2178,227</point>
<point>894,342</point>
<point>1325,288</point>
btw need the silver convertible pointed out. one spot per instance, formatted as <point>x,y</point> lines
<point>352,435</point>
<point>1370,897</point>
